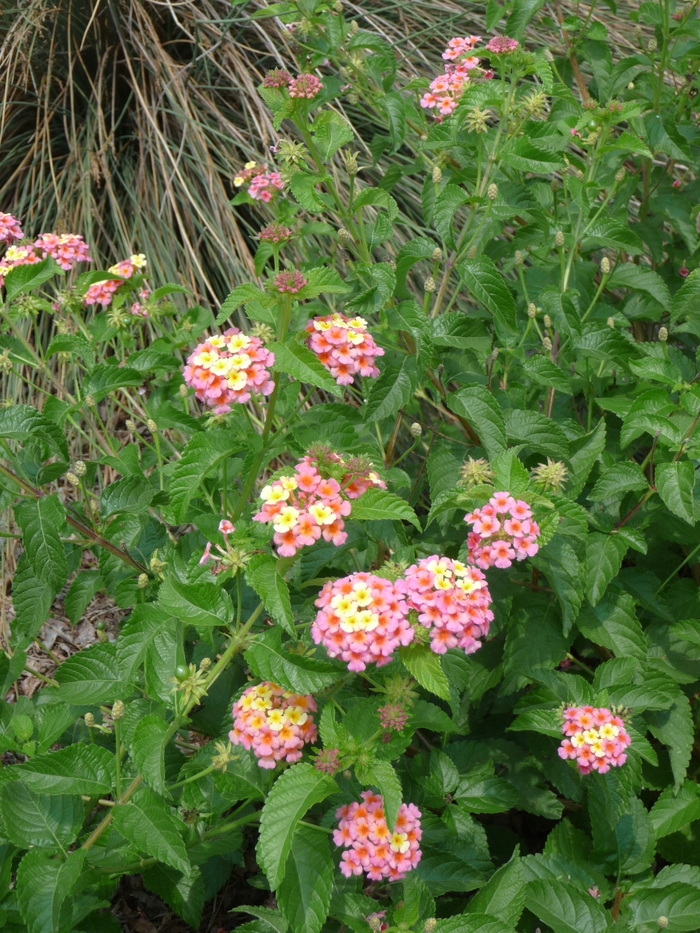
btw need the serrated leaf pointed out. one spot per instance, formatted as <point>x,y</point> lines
<point>147,823</point>
<point>261,574</point>
<point>537,432</point>
<point>621,478</point>
<point>559,561</point>
<point>678,903</point>
<point>381,774</point>
<point>640,278</point>
<point>675,483</point>
<point>185,893</point>
<point>481,410</point>
<point>472,923</point>
<point>34,819</point>
<point>584,453</point>
<point>448,202</point>
<point>409,254</point>
<point>76,769</point>
<point>675,809</point>
<point>531,648</point>
<point>484,793</point>
<point>74,344</point>
<point>614,234</point>
<point>544,721</point>
<point>296,672</point>
<point>130,494</point>
<point>564,908</point>
<point>80,594</point>
<point>322,280</point>
<point>304,895</point>
<point>292,794</point>
<point>91,677</point>
<point>488,286</point>
<point>236,298</point>
<point>43,887</point>
<point>20,422</point>
<point>139,633</point>
<point>635,838</point>
<point>32,599</point>
<point>613,623</point>
<point>604,555</point>
<point>425,666</point>
<point>300,363</point>
<point>203,453</point>
<point>23,279</point>
<point>42,521</point>
<point>392,390</point>
<point>503,895</point>
<point>378,504</point>
<point>524,155</point>
<point>147,749</point>
<point>331,131</point>
<point>105,379</point>
<point>674,727</point>
<point>196,603</point>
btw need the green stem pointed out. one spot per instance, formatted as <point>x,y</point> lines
<point>227,827</point>
<point>193,777</point>
<point>117,757</point>
<point>126,796</point>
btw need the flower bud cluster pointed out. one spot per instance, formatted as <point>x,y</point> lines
<point>275,233</point>
<point>503,531</point>
<point>344,347</point>
<point>274,723</point>
<point>370,846</point>
<point>452,601</point>
<point>595,738</point>
<point>501,45</point>
<point>228,368</point>
<point>362,619</point>
<point>308,505</point>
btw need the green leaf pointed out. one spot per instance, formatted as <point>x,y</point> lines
<point>488,286</point>
<point>604,554</point>
<point>185,893</point>
<point>147,750</point>
<point>23,279</point>
<point>642,279</point>
<point>544,721</point>
<point>520,15</point>
<point>304,895</point>
<point>91,677</point>
<point>378,504</point>
<point>395,107</point>
<point>532,647</point>
<point>481,410</point>
<point>292,794</point>
<point>203,453</point>
<point>147,823</point>
<point>409,254</point>
<point>584,453</point>
<point>622,477</point>
<point>300,673</point>
<point>43,887</point>
<point>564,908</point>
<point>261,574</point>
<point>21,422</point>
<point>685,301</point>
<point>300,363</point>
<point>138,635</point>
<point>322,280</point>
<point>31,600</point>
<point>484,793</point>
<point>615,235</point>
<point>105,379</point>
<point>674,727</point>
<point>559,561</point>
<point>527,157</point>
<point>675,809</point>
<point>32,819</point>
<point>392,390</point>
<point>331,132</point>
<point>196,603</point>
<point>635,839</point>
<point>448,202</point>
<point>76,769</point>
<point>131,494</point>
<point>42,521</point>
<point>613,623</point>
<point>675,483</point>
<point>239,296</point>
<point>503,895</point>
<point>381,774</point>
<point>542,370</point>
<point>73,344</point>
<point>472,923</point>
<point>678,902</point>
<point>81,593</point>
<point>425,666</point>
<point>537,432</point>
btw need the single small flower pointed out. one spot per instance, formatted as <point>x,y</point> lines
<point>684,272</point>
<point>224,754</point>
<point>226,527</point>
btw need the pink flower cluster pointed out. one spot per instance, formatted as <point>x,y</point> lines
<point>501,45</point>
<point>227,368</point>
<point>504,531</point>
<point>370,846</point>
<point>307,505</point>
<point>275,233</point>
<point>17,256</point>
<point>263,186</point>
<point>344,347</point>
<point>10,228</point>
<point>305,86</point>
<point>289,282</point>
<point>446,90</point>
<point>66,249</point>
<point>101,293</point>
<point>595,738</point>
<point>274,723</point>
<point>452,601</point>
<point>362,619</point>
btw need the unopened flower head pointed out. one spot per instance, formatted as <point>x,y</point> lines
<point>476,473</point>
<point>305,86</point>
<point>605,265</point>
<point>79,468</point>
<point>503,531</point>
<point>371,848</point>
<point>289,282</point>
<point>437,174</point>
<point>274,723</point>
<point>393,717</point>
<point>492,192</point>
<point>275,233</point>
<point>350,160</point>
<point>416,430</point>
<point>452,601</point>
<point>501,45</point>
<point>476,120</point>
<point>559,239</point>
<point>362,619</point>
<point>595,739</point>
<point>278,77</point>
<point>551,476</point>
<point>118,710</point>
<point>429,285</point>
<point>663,334</point>
<point>328,761</point>
<point>312,503</point>
<point>291,153</point>
<point>228,369</point>
<point>344,346</point>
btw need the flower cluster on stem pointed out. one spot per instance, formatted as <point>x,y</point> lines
<point>344,347</point>
<point>274,723</point>
<point>503,531</point>
<point>596,739</point>
<point>228,368</point>
<point>370,846</point>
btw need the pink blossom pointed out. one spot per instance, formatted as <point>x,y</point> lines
<point>498,541</point>
<point>278,77</point>
<point>501,45</point>
<point>452,601</point>
<point>66,249</point>
<point>263,186</point>
<point>10,228</point>
<point>274,723</point>
<point>227,369</point>
<point>290,282</point>
<point>275,233</point>
<point>370,846</point>
<point>17,256</point>
<point>226,527</point>
<point>362,619</point>
<point>595,739</point>
<point>344,347</point>
<point>305,86</point>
